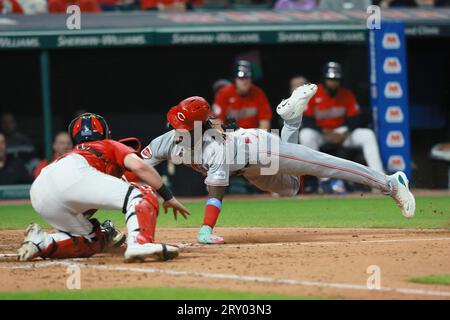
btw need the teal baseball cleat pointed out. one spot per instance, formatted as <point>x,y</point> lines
<point>206,236</point>
<point>402,195</point>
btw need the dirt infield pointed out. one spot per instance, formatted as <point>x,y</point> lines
<point>295,261</point>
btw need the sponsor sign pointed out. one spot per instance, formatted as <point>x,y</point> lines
<point>389,95</point>
<point>394,114</point>
<point>396,163</point>
<point>395,139</point>
<point>392,65</point>
<point>391,40</point>
<point>393,90</point>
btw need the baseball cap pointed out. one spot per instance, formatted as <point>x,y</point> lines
<point>332,70</point>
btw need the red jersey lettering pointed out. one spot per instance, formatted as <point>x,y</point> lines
<point>246,111</point>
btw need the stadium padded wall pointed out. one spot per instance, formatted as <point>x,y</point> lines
<point>389,95</point>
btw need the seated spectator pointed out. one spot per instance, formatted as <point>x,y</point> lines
<point>297,81</point>
<point>303,5</point>
<point>242,101</point>
<point>60,6</point>
<point>169,5</point>
<point>24,7</point>
<point>340,5</point>
<point>61,145</point>
<point>19,145</point>
<point>12,171</point>
<point>334,116</point>
<point>396,3</point>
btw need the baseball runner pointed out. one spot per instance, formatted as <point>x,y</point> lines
<point>219,154</point>
<point>71,189</point>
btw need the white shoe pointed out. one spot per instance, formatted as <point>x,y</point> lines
<point>30,246</point>
<point>297,103</point>
<point>401,194</point>
<point>136,251</point>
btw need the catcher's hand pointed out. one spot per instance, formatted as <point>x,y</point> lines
<point>177,207</point>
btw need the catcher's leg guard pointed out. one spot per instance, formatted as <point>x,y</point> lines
<point>65,245</point>
<point>141,215</point>
<point>141,218</point>
<point>60,245</point>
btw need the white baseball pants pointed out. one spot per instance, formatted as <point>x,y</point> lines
<point>69,187</point>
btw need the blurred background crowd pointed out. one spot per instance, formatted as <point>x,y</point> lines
<point>335,122</point>
<point>59,6</point>
<point>133,88</point>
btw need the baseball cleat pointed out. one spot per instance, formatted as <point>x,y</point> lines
<point>115,237</point>
<point>296,104</point>
<point>30,245</point>
<point>206,236</point>
<point>400,192</point>
<point>136,251</point>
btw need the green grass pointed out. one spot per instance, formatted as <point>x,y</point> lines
<point>432,212</point>
<point>144,293</point>
<point>434,279</point>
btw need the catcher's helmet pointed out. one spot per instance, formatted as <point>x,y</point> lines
<point>332,70</point>
<point>88,127</point>
<point>183,115</point>
<point>243,69</point>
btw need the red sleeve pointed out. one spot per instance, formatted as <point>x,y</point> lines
<point>220,103</point>
<point>119,151</point>
<point>264,109</point>
<point>351,104</point>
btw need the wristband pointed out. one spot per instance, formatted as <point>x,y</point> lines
<point>215,202</point>
<point>165,193</point>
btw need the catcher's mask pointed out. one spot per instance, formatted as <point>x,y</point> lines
<point>88,127</point>
<point>184,114</point>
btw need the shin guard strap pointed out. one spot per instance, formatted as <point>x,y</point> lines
<point>125,201</point>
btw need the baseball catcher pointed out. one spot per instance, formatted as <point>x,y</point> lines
<point>72,188</point>
<point>252,153</point>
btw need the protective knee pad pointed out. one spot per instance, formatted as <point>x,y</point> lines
<point>147,210</point>
<point>77,246</point>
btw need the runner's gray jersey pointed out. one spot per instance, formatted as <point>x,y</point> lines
<point>220,155</point>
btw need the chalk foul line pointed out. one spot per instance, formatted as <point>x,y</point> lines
<point>311,243</point>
